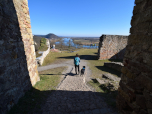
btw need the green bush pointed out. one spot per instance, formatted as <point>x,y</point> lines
<point>37,40</point>
<point>43,45</point>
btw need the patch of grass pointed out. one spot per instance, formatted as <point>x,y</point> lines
<point>97,66</point>
<point>36,97</point>
<point>96,72</point>
<point>109,96</point>
<point>55,57</point>
<point>49,79</point>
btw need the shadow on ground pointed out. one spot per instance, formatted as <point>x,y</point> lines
<point>67,74</point>
<point>60,101</point>
<point>95,53</point>
<point>109,70</point>
<point>116,60</point>
<point>85,57</point>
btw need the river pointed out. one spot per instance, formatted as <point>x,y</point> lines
<point>69,41</point>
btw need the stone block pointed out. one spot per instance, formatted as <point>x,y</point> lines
<point>147,95</point>
<point>138,8</point>
<point>145,81</point>
<point>124,78</point>
<point>141,101</point>
<point>124,70</point>
<point>146,16</point>
<point>135,107</point>
<point>2,70</point>
<point>143,111</point>
<point>149,111</point>
<point>136,86</point>
<point>130,75</point>
<point>124,94</point>
<point>149,104</point>
<point>129,91</point>
<point>138,1</point>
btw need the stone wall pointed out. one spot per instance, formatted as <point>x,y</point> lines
<point>114,65</point>
<point>112,46</point>
<point>135,92</point>
<point>44,53</point>
<point>18,68</point>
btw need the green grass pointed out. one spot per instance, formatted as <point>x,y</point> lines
<point>49,79</point>
<point>97,66</point>
<point>36,97</point>
<point>56,57</point>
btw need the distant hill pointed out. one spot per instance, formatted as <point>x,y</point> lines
<point>50,36</point>
<point>85,37</point>
<point>40,35</point>
<point>79,37</point>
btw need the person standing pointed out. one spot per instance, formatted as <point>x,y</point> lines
<point>77,63</point>
<point>53,46</point>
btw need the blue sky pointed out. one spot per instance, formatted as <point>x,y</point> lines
<point>81,17</point>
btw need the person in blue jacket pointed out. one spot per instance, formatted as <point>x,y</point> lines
<point>77,63</point>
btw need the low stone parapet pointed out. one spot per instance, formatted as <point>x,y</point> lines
<point>44,53</point>
<point>114,65</point>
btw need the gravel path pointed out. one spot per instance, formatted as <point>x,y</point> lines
<point>73,96</point>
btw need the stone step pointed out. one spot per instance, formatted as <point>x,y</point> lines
<point>114,65</point>
<point>101,81</point>
<point>111,77</point>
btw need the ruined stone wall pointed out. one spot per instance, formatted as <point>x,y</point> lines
<point>44,53</point>
<point>112,46</point>
<point>22,10</point>
<point>135,92</point>
<point>18,70</point>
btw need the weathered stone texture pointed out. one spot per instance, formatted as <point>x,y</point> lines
<point>114,65</point>
<point>112,47</point>
<point>27,38</point>
<point>137,70</point>
<point>18,70</point>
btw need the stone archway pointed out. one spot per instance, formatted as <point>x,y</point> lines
<point>18,69</point>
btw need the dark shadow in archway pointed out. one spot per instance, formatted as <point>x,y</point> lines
<point>63,102</point>
<point>67,74</point>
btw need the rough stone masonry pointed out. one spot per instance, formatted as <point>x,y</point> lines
<point>112,47</point>
<point>135,92</point>
<point>18,68</point>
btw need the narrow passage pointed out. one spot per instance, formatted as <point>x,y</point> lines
<point>74,96</point>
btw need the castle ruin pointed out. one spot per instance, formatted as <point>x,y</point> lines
<point>18,67</point>
<point>135,92</point>
<point>112,47</point>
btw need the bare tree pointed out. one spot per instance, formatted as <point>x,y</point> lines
<point>61,44</point>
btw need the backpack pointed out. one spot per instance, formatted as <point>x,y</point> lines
<point>76,60</point>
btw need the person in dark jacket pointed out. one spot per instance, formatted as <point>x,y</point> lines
<point>77,63</point>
